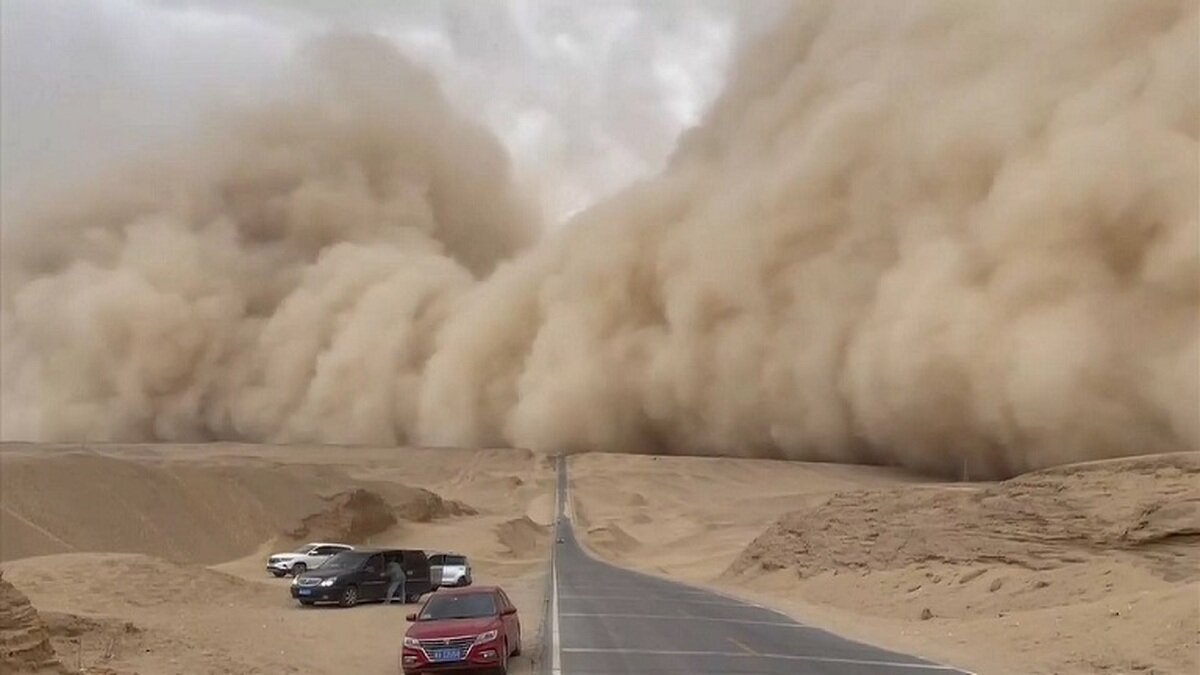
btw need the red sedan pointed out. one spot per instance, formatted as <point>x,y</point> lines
<point>464,629</point>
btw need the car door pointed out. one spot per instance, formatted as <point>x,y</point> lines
<point>512,624</point>
<point>374,583</point>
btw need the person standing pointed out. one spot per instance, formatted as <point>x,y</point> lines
<point>396,579</point>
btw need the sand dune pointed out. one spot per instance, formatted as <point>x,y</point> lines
<point>1145,508</point>
<point>521,536</point>
<point>1080,569</point>
<point>661,513</point>
<point>149,559</point>
<point>188,510</point>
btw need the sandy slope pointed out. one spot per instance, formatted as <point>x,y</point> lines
<point>1084,569</point>
<point>149,559</point>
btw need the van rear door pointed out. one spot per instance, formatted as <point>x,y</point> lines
<point>416,568</point>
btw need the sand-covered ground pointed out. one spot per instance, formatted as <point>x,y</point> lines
<point>150,559</point>
<point>1091,568</point>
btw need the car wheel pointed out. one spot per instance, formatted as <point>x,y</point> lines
<point>277,573</point>
<point>308,603</point>
<point>349,597</point>
<point>299,568</point>
<point>517,650</point>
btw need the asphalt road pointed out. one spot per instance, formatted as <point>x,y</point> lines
<point>606,620</point>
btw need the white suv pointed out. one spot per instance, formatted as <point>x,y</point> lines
<point>307,557</point>
<point>455,570</point>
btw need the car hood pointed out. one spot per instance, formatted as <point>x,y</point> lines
<point>320,573</point>
<point>443,628</point>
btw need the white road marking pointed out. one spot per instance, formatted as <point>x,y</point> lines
<point>676,617</point>
<point>742,646</point>
<point>555,648</point>
<point>652,598</point>
<point>784,657</point>
<point>555,644</point>
<point>666,594</point>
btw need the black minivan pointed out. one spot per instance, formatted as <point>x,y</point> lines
<point>351,577</point>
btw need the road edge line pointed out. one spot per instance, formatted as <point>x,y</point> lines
<point>555,646</point>
<point>559,492</point>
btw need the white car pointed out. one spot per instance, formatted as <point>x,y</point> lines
<point>450,569</point>
<point>307,557</point>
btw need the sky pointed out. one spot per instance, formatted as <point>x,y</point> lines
<point>586,96</point>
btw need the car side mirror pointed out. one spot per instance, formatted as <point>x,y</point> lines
<point>411,617</point>
<point>509,611</point>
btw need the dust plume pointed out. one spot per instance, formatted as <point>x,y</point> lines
<point>920,234</point>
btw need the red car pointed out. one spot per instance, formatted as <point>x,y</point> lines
<point>463,629</point>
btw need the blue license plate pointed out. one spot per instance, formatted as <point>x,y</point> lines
<point>442,655</point>
<point>305,591</point>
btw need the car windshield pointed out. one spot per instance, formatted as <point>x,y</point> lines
<point>345,560</point>
<point>304,549</point>
<point>468,606</point>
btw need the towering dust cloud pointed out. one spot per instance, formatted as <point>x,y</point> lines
<point>918,234</point>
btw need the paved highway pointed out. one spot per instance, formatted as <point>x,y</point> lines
<point>605,620</point>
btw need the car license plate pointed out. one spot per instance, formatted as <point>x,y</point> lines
<point>441,655</point>
<point>305,591</point>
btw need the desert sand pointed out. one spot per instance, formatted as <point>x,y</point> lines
<point>1089,568</point>
<point>150,559</point>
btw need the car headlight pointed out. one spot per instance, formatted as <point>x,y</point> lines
<point>412,642</point>
<point>329,582</point>
<point>486,637</point>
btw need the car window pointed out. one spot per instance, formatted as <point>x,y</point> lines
<point>375,564</point>
<point>456,560</point>
<point>463,606</point>
<point>505,603</point>
<point>326,550</point>
<point>346,560</point>
<point>436,559</point>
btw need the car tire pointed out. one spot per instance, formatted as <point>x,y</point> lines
<point>349,597</point>
<point>517,651</point>
<point>278,573</point>
<point>298,569</point>
<point>308,603</point>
